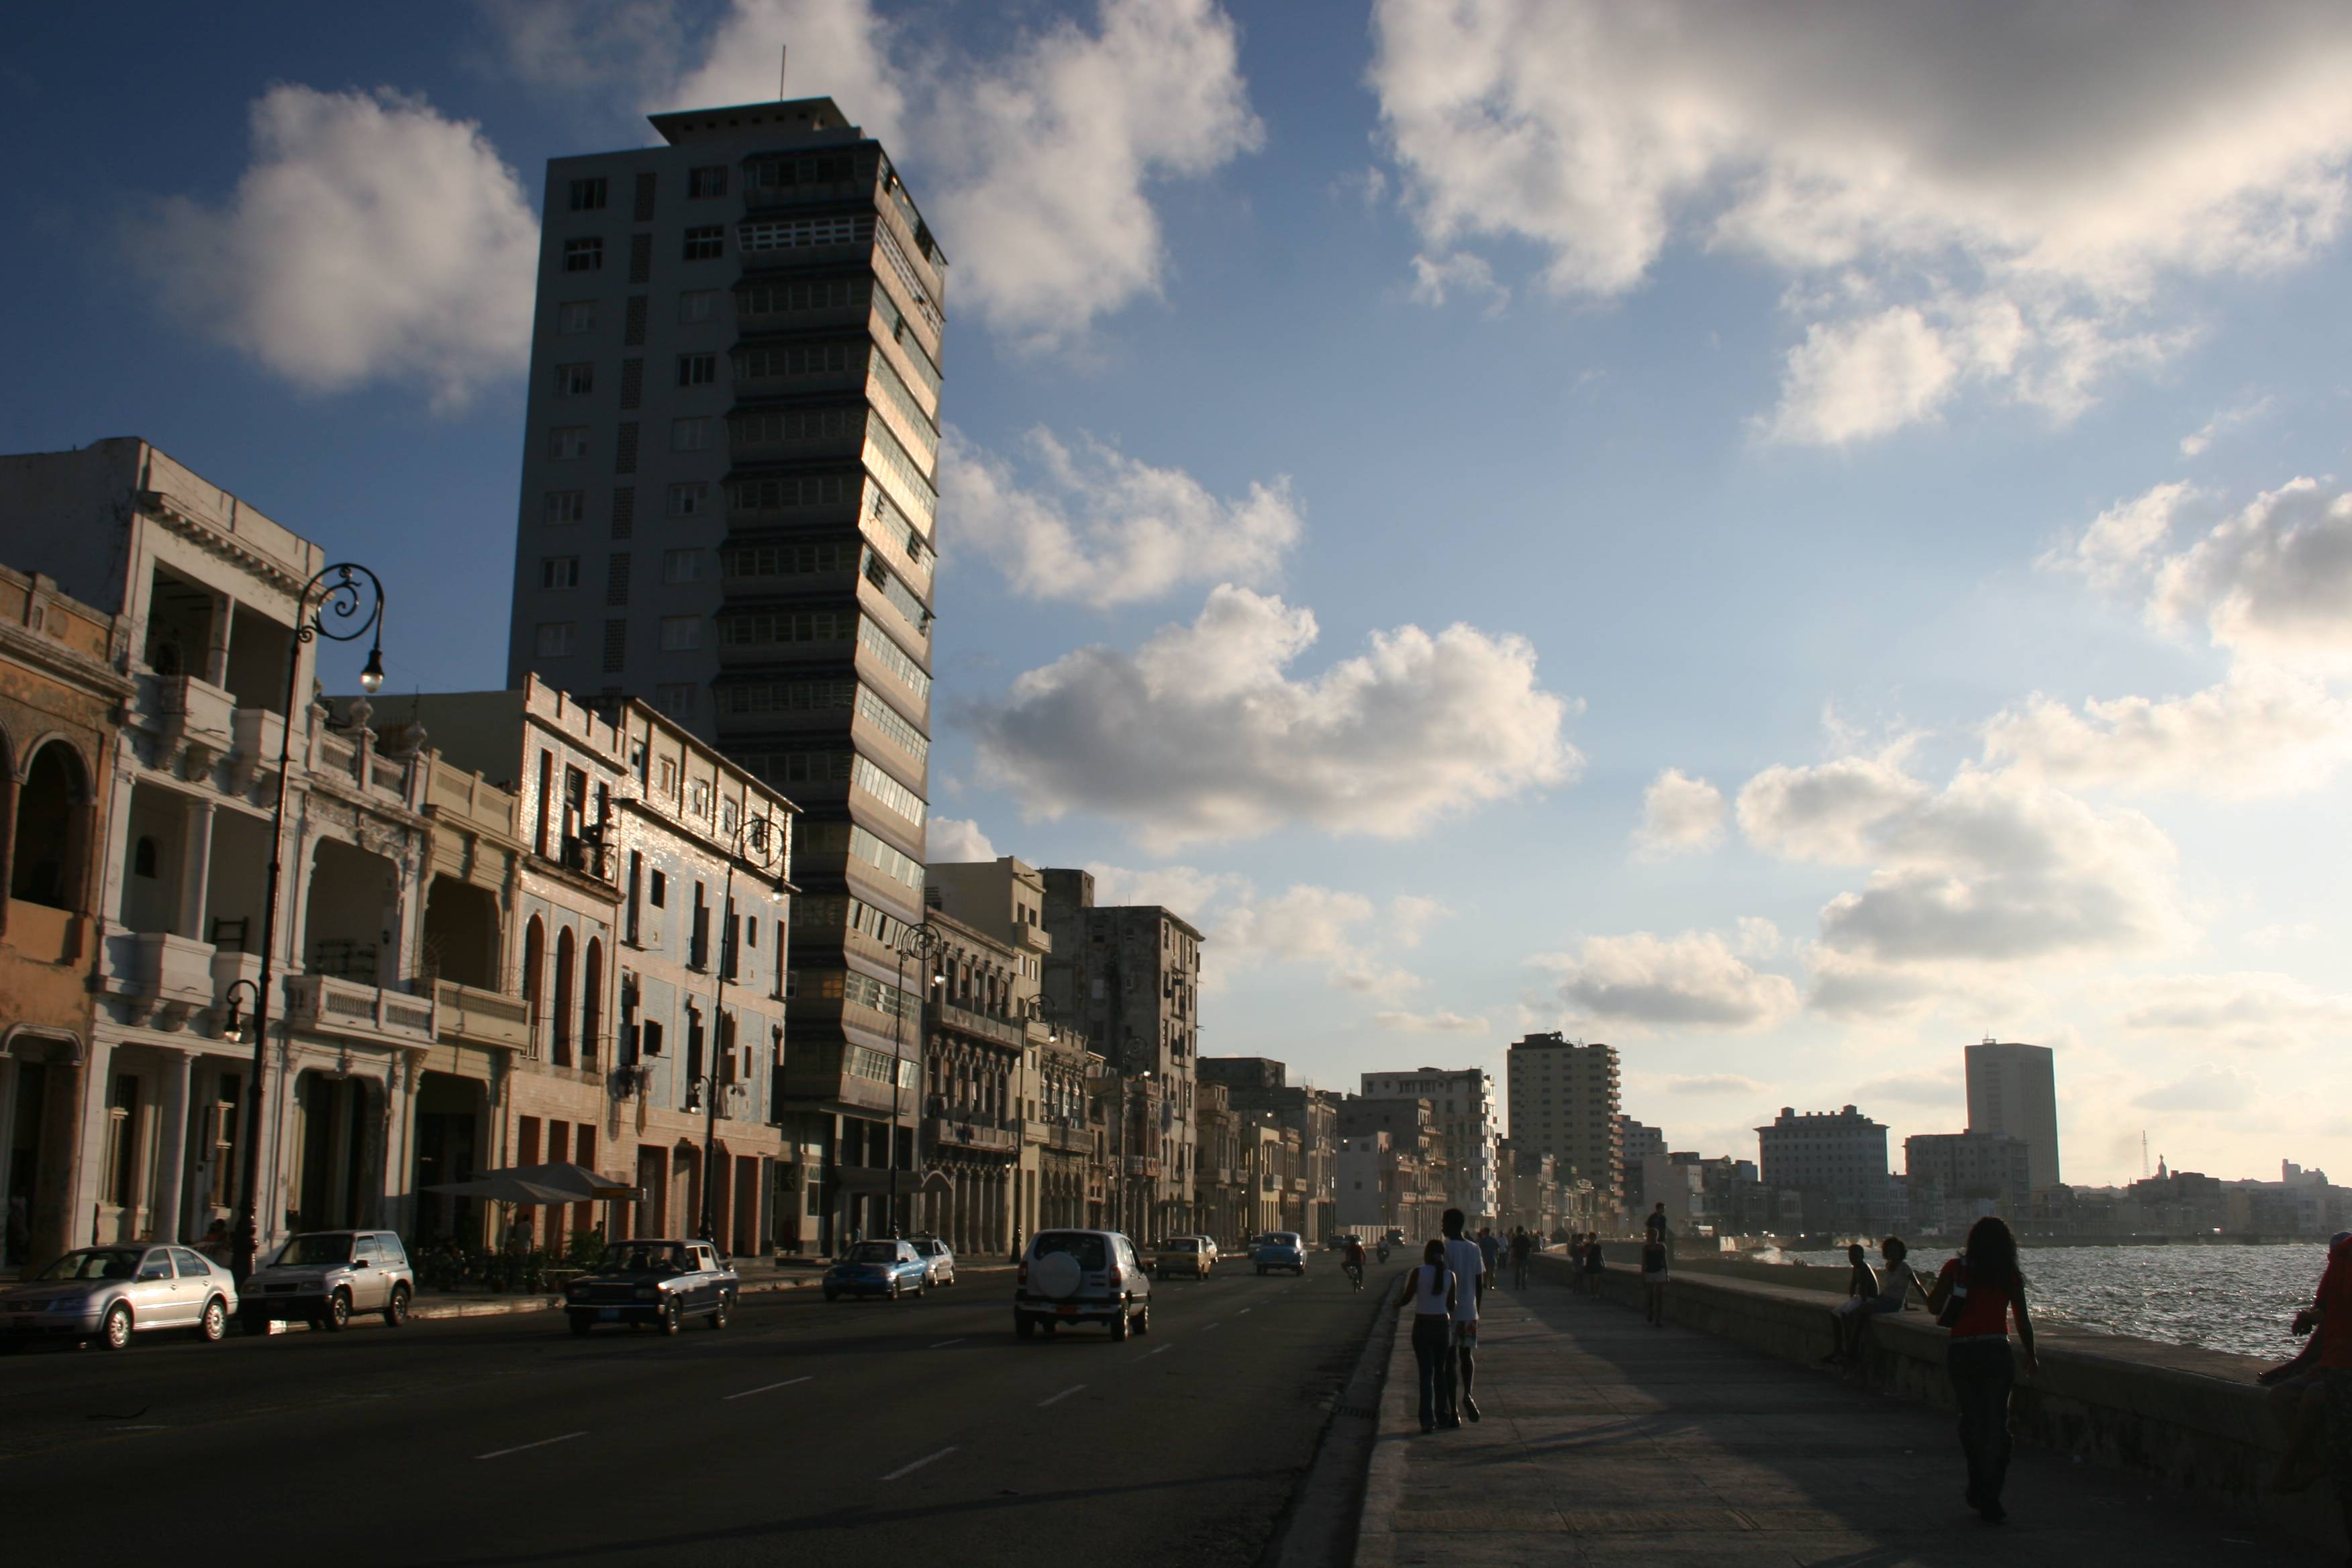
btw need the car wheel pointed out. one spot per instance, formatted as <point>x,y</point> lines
<point>214,1324</point>
<point>1118,1325</point>
<point>1143,1320</point>
<point>338,1312</point>
<point>672,1320</point>
<point>718,1314</point>
<point>1024,1326</point>
<point>831,1294</point>
<point>1261,1271</point>
<point>397,1313</point>
<point>115,1330</point>
<point>894,1290</point>
<point>580,1323</point>
<point>1046,1326</point>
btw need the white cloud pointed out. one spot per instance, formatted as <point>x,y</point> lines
<point>1202,734</point>
<point>2000,197</point>
<point>1436,279</point>
<point>2260,732</point>
<point>2201,440</point>
<point>2248,1008</point>
<point>2274,936</point>
<point>1302,922</point>
<point>839,48</point>
<point>571,46</point>
<point>1713,1083</point>
<point>1429,1023</point>
<point>1916,1089</point>
<point>1678,813</point>
<point>2120,546</point>
<point>1758,938</point>
<point>1186,889</point>
<point>370,240</point>
<point>1997,873</point>
<point>1690,981</point>
<point>1340,932</point>
<point>1094,525</point>
<point>2215,1091</point>
<point>953,840</point>
<point>2273,581</point>
<point>1411,914</point>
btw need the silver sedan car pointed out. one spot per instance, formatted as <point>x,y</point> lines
<point>109,1293</point>
<point>939,1260</point>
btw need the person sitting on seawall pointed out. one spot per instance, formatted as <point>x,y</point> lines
<point>1975,1294</point>
<point>1890,1288</point>
<point>2334,1311</point>
<point>1860,1285</point>
<point>2299,1402</point>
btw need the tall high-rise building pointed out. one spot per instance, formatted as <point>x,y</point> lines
<point>727,509</point>
<point>1838,1156</point>
<point>2013,1093</point>
<point>1564,1102</point>
<point>1463,1100</point>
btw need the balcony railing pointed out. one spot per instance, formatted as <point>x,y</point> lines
<point>1002,1030</point>
<point>474,1016</point>
<point>1143,1164</point>
<point>328,1006</point>
<point>973,1133</point>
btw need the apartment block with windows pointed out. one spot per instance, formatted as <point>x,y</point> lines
<point>1465,1102</point>
<point>1564,1101</point>
<point>729,510</point>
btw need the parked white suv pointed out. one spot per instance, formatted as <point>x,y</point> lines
<point>322,1276</point>
<point>1081,1277</point>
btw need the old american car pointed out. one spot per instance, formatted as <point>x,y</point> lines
<point>660,1282</point>
<point>109,1293</point>
<point>1181,1254</point>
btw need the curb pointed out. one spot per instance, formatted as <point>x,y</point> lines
<point>508,1305</point>
<point>1319,1528</point>
<point>1384,1476</point>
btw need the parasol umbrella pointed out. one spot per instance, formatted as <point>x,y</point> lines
<point>530,1185</point>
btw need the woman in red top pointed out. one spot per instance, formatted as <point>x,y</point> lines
<point>1985,1283</point>
<point>2335,1311</point>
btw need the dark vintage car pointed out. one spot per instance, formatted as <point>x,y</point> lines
<point>659,1282</point>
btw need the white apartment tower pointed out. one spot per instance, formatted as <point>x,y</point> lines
<point>728,511</point>
<point>2013,1093</point>
<point>1565,1103</point>
<point>1462,1101</point>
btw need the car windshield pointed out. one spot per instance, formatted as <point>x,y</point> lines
<point>310,1251</point>
<point>1084,1246</point>
<point>875,1252</point>
<point>96,1263</point>
<point>1181,1243</point>
<point>645,1260</point>
<point>929,1249</point>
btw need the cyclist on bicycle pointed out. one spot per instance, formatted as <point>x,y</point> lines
<point>1353,1261</point>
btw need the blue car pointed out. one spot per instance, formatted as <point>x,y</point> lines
<point>886,1268</point>
<point>1280,1250</point>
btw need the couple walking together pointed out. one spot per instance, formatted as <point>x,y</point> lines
<point>1444,1293</point>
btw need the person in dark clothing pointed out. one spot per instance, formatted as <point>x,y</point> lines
<point>2333,1311</point>
<point>1522,1245</point>
<point>1975,1296</point>
<point>1429,1291</point>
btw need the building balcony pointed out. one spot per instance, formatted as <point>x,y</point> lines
<point>1143,1164</point>
<point>472,1016</point>
<point>195,720</point>
<point>324,1004</point>
<point>164,978</point>
<point>47,935</point>
<point>970,1132</point>
<point>1036,938</point>
<point>1004,1031</point>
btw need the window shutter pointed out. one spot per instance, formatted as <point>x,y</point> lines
<point>624,512</point>
<point>632,383</point>
<point>624,450</point>
<point>616,645</point>
<point>641,257</point>
<point>645,198</point>
<point>617,578</point>
<point>632,333</point>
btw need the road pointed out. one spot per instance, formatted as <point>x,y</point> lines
<point>920,1427</point>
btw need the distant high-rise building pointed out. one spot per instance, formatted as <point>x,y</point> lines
<point>1463,1100</point>
<point>728,499</point>
<point>1840,1155</point>
<point>2013,1093</point>
<point>1636,1145</point>
<point>1564,1102</point>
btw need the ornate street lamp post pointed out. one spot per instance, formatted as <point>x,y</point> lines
<point>354,596</point>
<point>924,941</point>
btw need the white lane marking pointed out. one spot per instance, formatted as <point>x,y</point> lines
<point>945,1343</point>
<point>143,1426</point>
<point>518,1447</point>
<point>1206,1327</point>
<point>919,1464</point>
<point>1061,1396</point>
<point>1243,1310</point>
<point>1154,1351</point>
<point>765,1387</point>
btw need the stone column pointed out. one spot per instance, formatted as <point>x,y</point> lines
<point>172,1145</point>
<point>90,1177</point>
<point>196,869</point>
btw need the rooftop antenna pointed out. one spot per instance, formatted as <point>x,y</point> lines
<point>784,58</point>
<point>2143,1153</point>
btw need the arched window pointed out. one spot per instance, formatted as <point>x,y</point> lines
<point>592,1002</point>
<point>566,955</point>
<point>534,960</point>
<point>51,804</point>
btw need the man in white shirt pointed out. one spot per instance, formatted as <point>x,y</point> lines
<point>1469,1266</point>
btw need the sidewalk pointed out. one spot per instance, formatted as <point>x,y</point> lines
<point>1606,1441</point>
<point>760,1278</point>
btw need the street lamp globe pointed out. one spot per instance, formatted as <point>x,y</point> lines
<point>371,676</point>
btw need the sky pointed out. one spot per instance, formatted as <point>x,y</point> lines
<point>1789,539</point>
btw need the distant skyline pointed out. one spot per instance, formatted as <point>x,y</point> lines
<point>1787,541</point>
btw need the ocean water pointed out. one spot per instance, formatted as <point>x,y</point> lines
<point>2238,1299</point>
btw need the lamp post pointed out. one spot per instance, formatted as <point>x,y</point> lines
<point>923,941</point>
<point>355,595</point>
<point>764,842</point>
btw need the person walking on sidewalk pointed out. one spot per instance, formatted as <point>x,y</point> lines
<point>1975,1296</point>
<point>1654,1253</point>
<point>1468,1261</point>
<point>1522,1244</point>
<point>1429,1291</point>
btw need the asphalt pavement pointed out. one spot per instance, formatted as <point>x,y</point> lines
<point>804,1427</point>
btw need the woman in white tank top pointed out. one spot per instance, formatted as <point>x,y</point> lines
<point>1430,1289</point>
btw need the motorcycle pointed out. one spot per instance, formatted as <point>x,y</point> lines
<point>1382,1252</point>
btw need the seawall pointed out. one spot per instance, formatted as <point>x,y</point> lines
<point>2194,1419</point>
